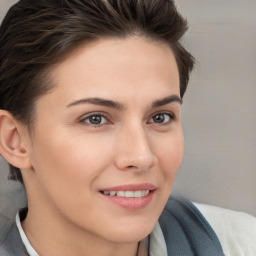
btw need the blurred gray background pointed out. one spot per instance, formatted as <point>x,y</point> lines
<point>219,107</point>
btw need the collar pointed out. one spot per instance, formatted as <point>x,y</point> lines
<point>31,251</point>
<point>157,242</point>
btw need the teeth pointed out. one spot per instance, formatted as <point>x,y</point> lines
<point>112,193</point>
<point>146,192</point>
<point>129,194</point>
<point>120,193</point>
<point>139,193</point>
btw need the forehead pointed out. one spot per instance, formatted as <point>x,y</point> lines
<point>114,66</point>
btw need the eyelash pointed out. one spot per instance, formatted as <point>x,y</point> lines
<point>108,121</point>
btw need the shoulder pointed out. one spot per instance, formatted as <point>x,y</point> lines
<point>235,230</point>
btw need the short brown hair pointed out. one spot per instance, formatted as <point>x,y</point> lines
<point>36,34</point>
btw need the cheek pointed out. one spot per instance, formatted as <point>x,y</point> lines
<point>170,155</point>
<point>69,153</point>
<point>67,165</point>
<point>65,171</point>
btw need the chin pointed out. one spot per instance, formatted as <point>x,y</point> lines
<point>131,232</point>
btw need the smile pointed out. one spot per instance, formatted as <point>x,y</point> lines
<point>129,194</point>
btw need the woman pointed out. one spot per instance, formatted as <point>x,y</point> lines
<point>90,96</point>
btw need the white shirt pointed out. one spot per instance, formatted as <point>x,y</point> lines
<point>236,230</point>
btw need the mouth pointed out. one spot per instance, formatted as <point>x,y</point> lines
<point>132,197</point>
<point>127,194</point>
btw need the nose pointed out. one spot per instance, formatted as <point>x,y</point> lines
<point>134,150</point>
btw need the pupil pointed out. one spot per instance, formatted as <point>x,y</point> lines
<point>95,119</point>
<point>159,118</point>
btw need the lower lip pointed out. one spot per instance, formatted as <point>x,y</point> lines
<point>131,203</point>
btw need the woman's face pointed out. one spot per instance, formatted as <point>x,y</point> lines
<point>108,139</point>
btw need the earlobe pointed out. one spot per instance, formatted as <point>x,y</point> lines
<point>12,145</point>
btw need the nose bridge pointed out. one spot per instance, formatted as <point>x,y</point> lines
<point>134,149</point>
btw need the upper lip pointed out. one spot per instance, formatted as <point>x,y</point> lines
<point>131,187</point>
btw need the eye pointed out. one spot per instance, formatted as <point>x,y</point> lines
<point>95,120</point>
<point>162,118</point>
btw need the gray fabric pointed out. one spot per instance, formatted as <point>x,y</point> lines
<point>12,244</point>
<point>186,231</point>
<point>10,201</point>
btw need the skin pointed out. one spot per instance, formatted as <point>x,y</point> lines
<point>71,159</point>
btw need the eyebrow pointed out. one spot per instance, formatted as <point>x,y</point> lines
<point>99,102</point>
<point>166,100</point>
<point>120,106</point>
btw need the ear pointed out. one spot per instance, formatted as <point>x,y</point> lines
<point>13,141</point>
